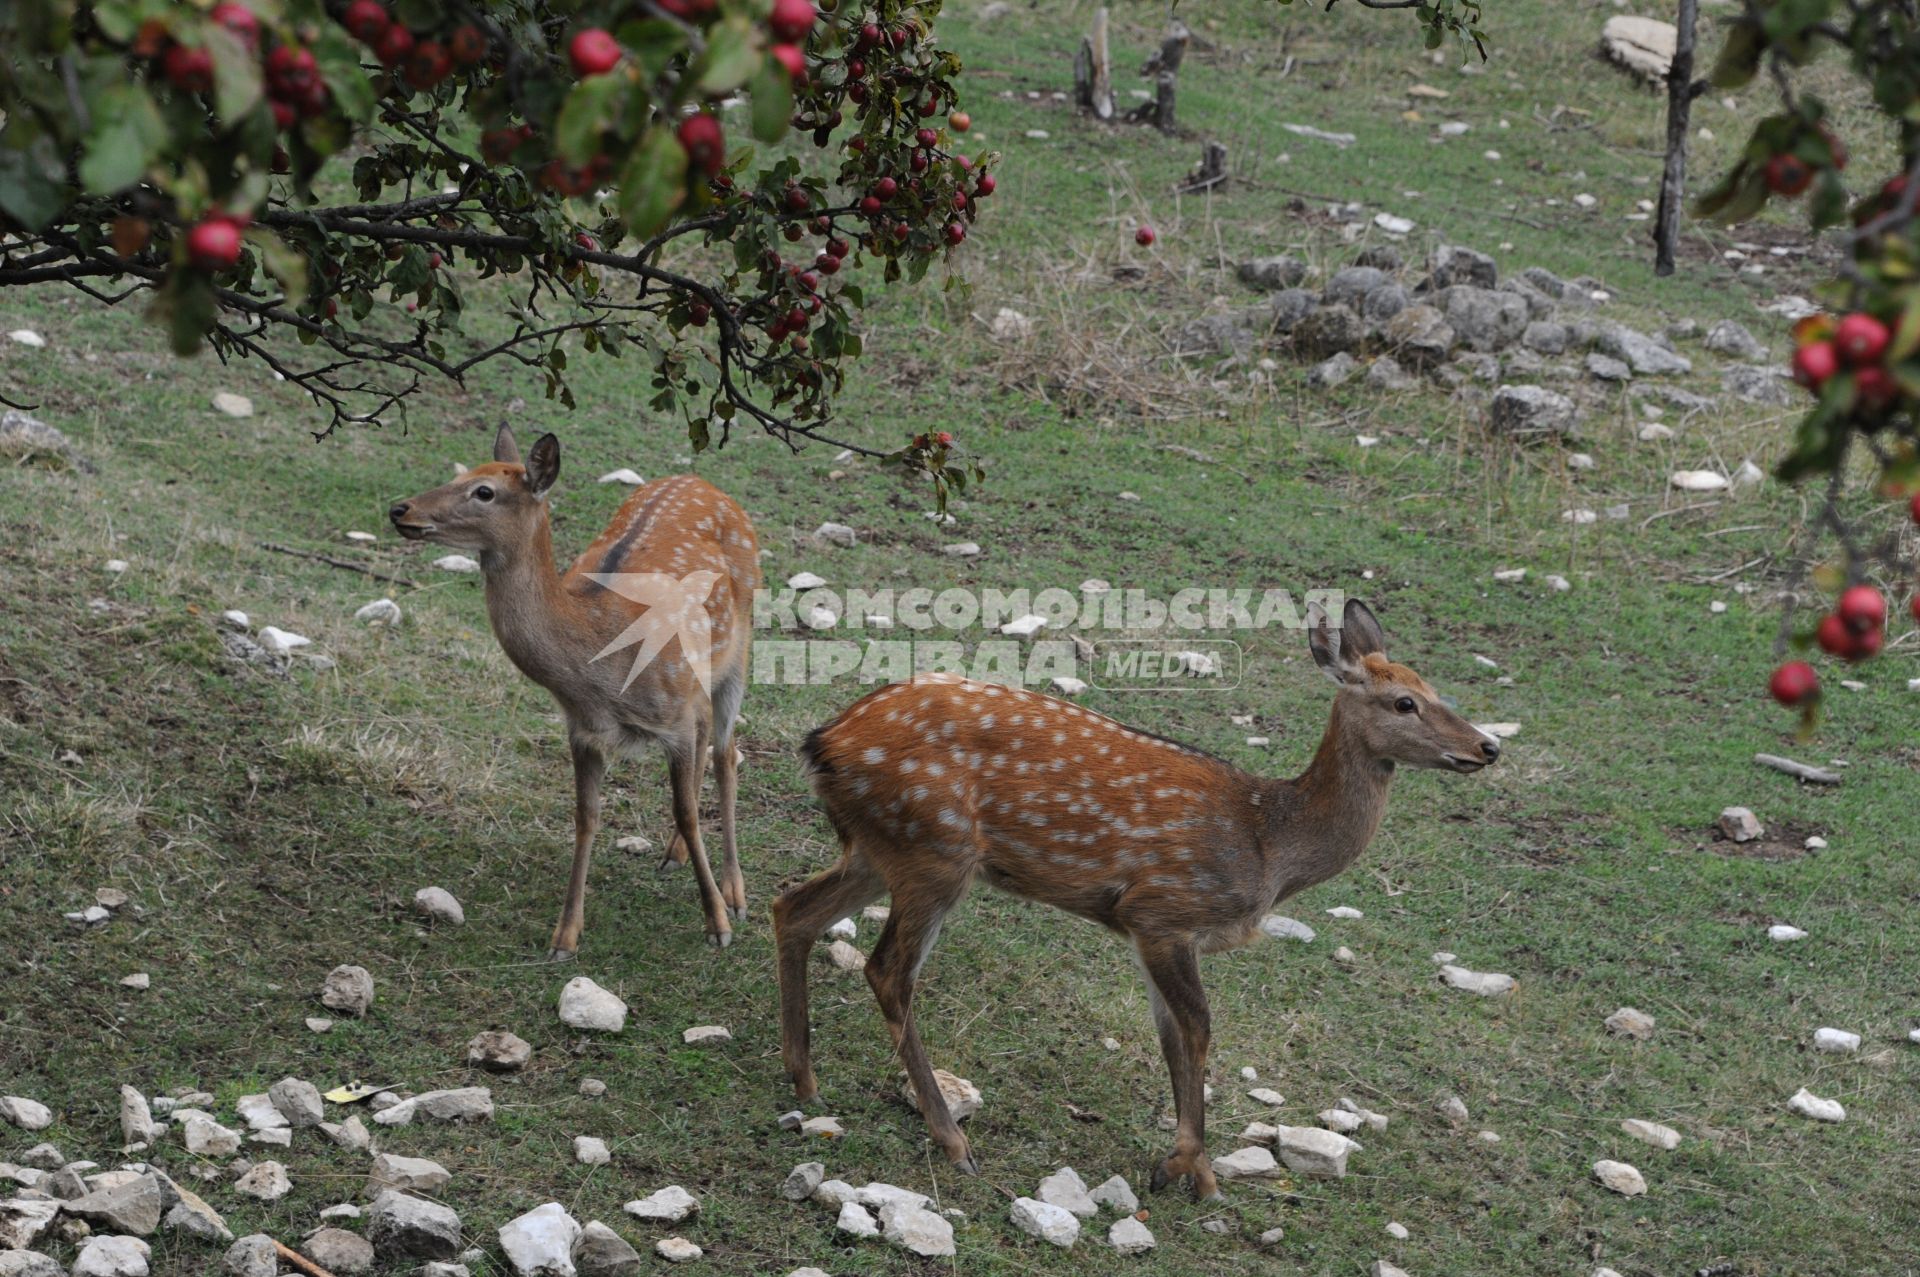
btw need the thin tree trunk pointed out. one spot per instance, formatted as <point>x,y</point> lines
<point>1172,50</point>
<point>1680,95</point>
<point>1102,69</point>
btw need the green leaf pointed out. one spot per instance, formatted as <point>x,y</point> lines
<point>339,64</point>
<point>654,182</point>
<point>185,306</point>
<point>772,96</point>
<point>730,58</point>
<point>588,110</point>
<point>236,75</point>
<point>287,265</point>
<point>1906,333</point>
<point>128,132</point>
<point>30,190</point>
<point>1739,57</point>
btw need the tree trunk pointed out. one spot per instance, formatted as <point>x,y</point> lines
<point>1211,172</point>
<point>1093,71</point>
<point>1680,95</point>
<point>1172,50</point>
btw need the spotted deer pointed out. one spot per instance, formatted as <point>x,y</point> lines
<point>933,783</point>
<point>672,577</point>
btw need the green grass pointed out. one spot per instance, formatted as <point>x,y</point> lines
<point>269,829</point>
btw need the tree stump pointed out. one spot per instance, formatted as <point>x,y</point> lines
<point>1211,171</point>
<point>1093,71</point>
<point>1164,67</point>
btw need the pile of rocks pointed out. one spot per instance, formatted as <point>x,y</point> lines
<point>1462,326</point>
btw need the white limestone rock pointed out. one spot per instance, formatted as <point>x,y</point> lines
<point>856,1221</point>
<point>669,1205</point>
<point>1486,984</point>
<point>540,1242</point>
<point>1620,1177</point>
<point>1046,1221</point>
<point>1129,1236</point>
<point>1065,1189</point>
<point>440,905</point>
<point>1247,1163</point>
<point>1652,1133</point>
<point>1116,1195</point>
<point>918,1230</point>
<point>585,1005</point>
<point>1807,1104</point>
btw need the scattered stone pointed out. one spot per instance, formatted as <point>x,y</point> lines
<point>205,1137</point>
<point>1620,1177</point>
<point>677,1250</point>
<point>1329,330</point>
<point>297,1101</point>
<point>1383,303</point>
<point>456,563</point>
<point>1065,1189</point>
<point>585,1005</point>
<point>1419,335</point>
<point>1385,374</point>
<point>592,1087</point>
<point>260,1113</point>
<point>405,1227</point>
<point>1654,432</point>
<point>963,1097</point>
<point>803,1181</point>
<point>827,1128</point>
<point>1530,412</point>
<point>706,1035</point>
<point>465,1103</point>
<point>1010,325</point>
<point>28,1115</point>
<point>1273,273</point>
<point>1630,1022</point>
<point>589,1150</point>
<point>856,1220</point>
<point>1486,984</point>
<point>1734,341</point>
<point>1332,371</point>
<point>601,1252</point>
<point>348,989</point>
<point>1246,1163</point>
<point>1641,352</point>
<point>406,1175</point>
<point>1340,1120</point>
<point>540,1242</point>
<point>806,581</point>
<point>136,1119</point>
<point>1116,1195</point>
<point>1308,1150</point>
<point>916,1229</point>
<point>1739,824</point>
<point>350,1134</point>
<point>1397,1230</point>
<point>267,1181</point>
<point>29,1263</point>
<point>790,1120</point>
<point>1483,319</point>
<point>499,1051</point>
<point>131,1207</point>
<point>1273,1237</point>
<point>1454,1110</point>
<point>1129,1236</point>
<point>1345,956</point>
<point>1765,385</point>
<point>1046,1221</point>
<point>24,1219</point>
<point>1652,1133</point>
<point>110,1256</point>
<point>1607,368</point>
<point>1836,1041</point>
<point>1350,285</point>
<point>1453,265</point>
<point>961,550</point>
<point>1781,932</point>
<point>835,1193</point>
<point>339,1251</point>
<point>1381,1268</point>
<point>1281,927</point>
<point>439,904</point>
<point>46,1157</point>
<point>669,1205</point>
<point>138,980</point>
<point>233,405</point>
<point>341,1210</point>
<point>1807,1104</point>
<point>845,957</point>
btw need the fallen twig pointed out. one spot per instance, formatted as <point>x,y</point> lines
<point>294,1257</point>
<point>348,564</point>
<point>1800,771</point>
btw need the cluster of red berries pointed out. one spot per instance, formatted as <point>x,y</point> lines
<point>1855,630</point>
<point>1787,174</point>
<point>944,438</point>
<point>295,90</point>
<point>1858,342</point>
<point>423,59</point>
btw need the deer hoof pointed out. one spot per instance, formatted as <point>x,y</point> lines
<point>560,955</point>
<point>739,912</point>
<point>719,939</point>
<point>667,864</point>
<point>966,1165</point>
<point>1160,1178</point>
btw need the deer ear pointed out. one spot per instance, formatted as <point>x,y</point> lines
<point>1324,642</point>
<point>504,446</point>
<point>1360,634</point>
<point>543,464</point>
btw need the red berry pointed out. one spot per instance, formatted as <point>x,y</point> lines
<point>704,142</point>
<point>985,186</point>
<point>793,58</point>
<point>699,313</point>
<point>827,264</point>
<point>498,145</point>
<point>1860,338</point>
<point>855,68</point>
<point>586,241</point>
<point>928,108</point>
<point>393,45</point>
<point>1914,509</point>
<point>900,230</point>
<point>885,189</point>
<point>870,205</point>
<point>1875,387</point>
<point>468,45</point>
<point>1863,608</point>
<point>1794,683</point>
<point>797,201</point>
<point>955,233</point>
<point>870,35</point>
<point>791,20</point>
<point>214,244</point>
<point>808,280</point>
<point>1834,637</point>
<point>1867,644</point>
<point>593,51</point>
<point>926,137</point>
<point>959,121</point>
<point>795,320</point>
<point>238,19</point>
<point>945,437</point>
<point>837,247</point>
<point>1787,175</point>
<point>366,20</point>
<point>189,70</point>
<point>283,115</point>
<point>1144,236</point>
<point>1814,362</point>
<point>428,64</point>
<point>332,307</point>
<point>900,37</point>
<point>1914,605</point>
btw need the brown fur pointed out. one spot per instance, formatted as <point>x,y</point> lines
<point>554,625</point>
<point>934,783</point>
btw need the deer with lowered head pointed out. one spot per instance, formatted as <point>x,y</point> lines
<point>936,782</point>
<point>672,576</point>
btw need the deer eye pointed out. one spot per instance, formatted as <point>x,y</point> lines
<point>1405,705</point>
<point>483,493</point>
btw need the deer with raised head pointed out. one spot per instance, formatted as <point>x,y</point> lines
<point>933,783</point>
<point>673,577</point>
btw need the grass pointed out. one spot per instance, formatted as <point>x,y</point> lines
<point>268,829</point>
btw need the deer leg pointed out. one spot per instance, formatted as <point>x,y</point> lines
<point>685,763</point>
<point>912,927</point>
<point>675,855</point>
<point>800,916</point>
<point>1180,1014</point>
<point>589,766</point>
